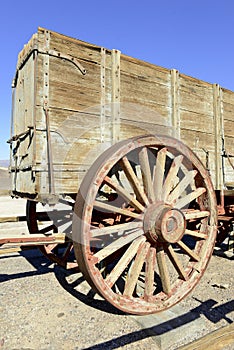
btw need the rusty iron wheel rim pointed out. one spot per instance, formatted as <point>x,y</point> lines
<point>137,266</point>
<point>57,253</point>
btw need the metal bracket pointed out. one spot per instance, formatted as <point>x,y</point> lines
<point>48,52</point>
<point>21,135</point>
<point>69,58</point>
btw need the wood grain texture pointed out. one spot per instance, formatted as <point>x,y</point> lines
<point>216,340</point>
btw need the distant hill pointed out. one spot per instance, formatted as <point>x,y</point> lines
<point>4,163</point>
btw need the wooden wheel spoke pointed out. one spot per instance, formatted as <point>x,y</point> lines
<point>111,208</point>
<point>188,251</point>
<point>182,202</point>
<point>125,194</point>
<point>133,180</point>
<point>48,229</point>
<point>196,214</point>
<point>50,247</point>
<point>163,270</point>
<point>117,244</point>
<point>146,173</point>
<point>107,230</point>
<point>135,270</point>
<point>67,251</point>
<point>124,261</point>
<point>149,273</point>
<point>182,185</point>
<point>169,182</point>
<point>196,234</point>
<point>176,262</point>
<point>159,173</point>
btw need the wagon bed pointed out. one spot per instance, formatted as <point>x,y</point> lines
<point>73,99</point>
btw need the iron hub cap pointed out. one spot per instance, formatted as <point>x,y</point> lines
<point>164,223</point>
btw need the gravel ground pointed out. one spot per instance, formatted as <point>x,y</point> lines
<point>44,307</point>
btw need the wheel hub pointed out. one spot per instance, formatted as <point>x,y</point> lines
<point>164,223</point>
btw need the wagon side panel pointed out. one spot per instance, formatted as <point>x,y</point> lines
<point>145,98</point>
<point>196,119</point>
<point>23,126</point>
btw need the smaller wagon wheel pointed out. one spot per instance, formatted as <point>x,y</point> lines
<point>144,223</point>
<point>225,221</point>
<point>224,228</point>
<point>50,221</point>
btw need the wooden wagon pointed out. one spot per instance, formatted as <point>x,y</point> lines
<point>131,162</point>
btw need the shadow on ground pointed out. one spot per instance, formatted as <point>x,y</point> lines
<point>71,280</point>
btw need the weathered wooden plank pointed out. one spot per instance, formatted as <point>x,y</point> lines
<point>191,120</point>
<point>195,95</point>
<point>137,128</point>
<point>216,340</point>
<point>229,128</point>
<point>228,96</point>
<point>150,112</point>
<point>228,104</point>
<point>145,92</point>
<point>144,70</point>
<point>198,140</point>
<point>64,90</point>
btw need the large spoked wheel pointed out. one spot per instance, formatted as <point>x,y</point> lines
<point>48,221</point>
<point>144,224</point>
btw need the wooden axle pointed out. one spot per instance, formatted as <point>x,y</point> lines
<point>15,242</point>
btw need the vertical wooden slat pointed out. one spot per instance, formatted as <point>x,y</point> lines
<point>103,93</point>
<point>175,114</point>
<point>46,86</point>
<point>218,135</point>
<point>34,107</point>
<point>115,56</point>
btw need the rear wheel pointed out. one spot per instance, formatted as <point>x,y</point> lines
<point>144,224</point>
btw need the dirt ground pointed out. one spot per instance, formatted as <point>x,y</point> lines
<point>44,307</point>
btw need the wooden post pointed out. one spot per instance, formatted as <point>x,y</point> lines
<point>47,121</point>
<point>115,95</point>
<point>218,135</point>
<point>103,94</point>
<point>175,113</point>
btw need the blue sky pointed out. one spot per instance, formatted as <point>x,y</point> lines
<point>195,37</point>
